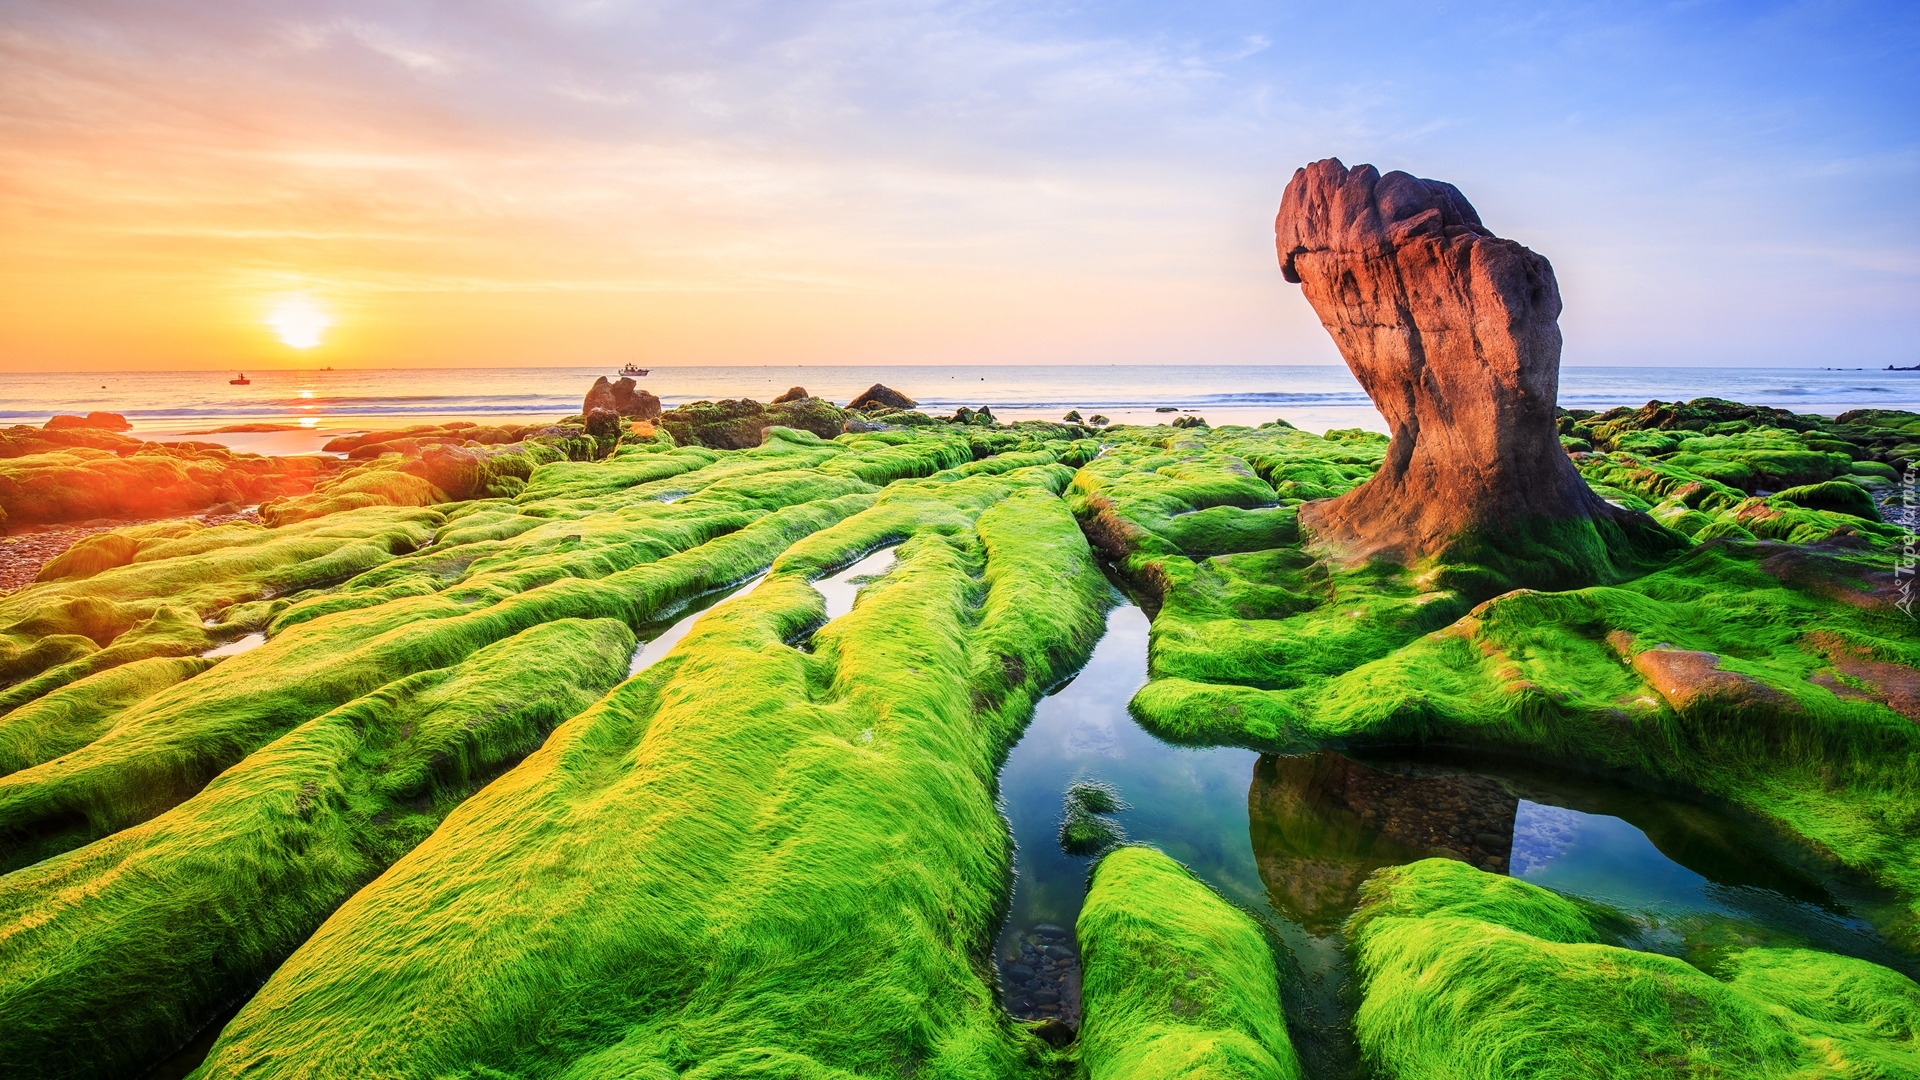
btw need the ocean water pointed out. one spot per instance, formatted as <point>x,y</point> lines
<point>327,403</point>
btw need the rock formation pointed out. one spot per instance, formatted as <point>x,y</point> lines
<point>878,396</point>
<point>797,393</point>
<point>104,421</point>
<point>621,398</point>
<point>1453,332</point>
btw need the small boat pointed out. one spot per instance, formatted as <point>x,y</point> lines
<point>241,381</point>
<point>631,370</point>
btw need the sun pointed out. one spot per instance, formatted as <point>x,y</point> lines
<point>299,322</point>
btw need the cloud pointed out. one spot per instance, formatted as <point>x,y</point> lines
<point>1109,170</point>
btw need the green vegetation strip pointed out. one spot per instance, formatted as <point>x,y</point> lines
<point>1473,976</point>
<point>1775,676</point>
<point>752,859</point>
<point>1177,982</point>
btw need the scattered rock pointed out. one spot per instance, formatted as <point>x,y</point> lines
<point>878,396</point>
<point>603,423</point>
<point>621,398</point>
<point>100,421</point>
<point>735,425</point>
<point>797,393</point>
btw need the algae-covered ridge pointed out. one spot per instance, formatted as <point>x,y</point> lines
<point>438,825</point>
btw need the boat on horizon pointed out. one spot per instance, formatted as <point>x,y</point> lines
<point>240,380</point>
<point>633,371</point>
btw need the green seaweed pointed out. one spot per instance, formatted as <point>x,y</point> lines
<point>749,858</point>
<point>610,558</point>
<point>1466,974</point>
<point>1177,982</point>
<point>113,955</point>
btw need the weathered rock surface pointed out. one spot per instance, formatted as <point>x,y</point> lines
<point>797,393</point>
<point>1453,332</point>
<point>104,421</point>
<point>1691,679</point>
<point>879,396</point>
<point>622,398</point>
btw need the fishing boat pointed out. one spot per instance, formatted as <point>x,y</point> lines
<point>633,371</point>
<point>240,379</point>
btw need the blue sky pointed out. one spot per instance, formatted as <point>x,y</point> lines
<point>892,182</point>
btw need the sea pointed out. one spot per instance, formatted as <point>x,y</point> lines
<point>307,408</point>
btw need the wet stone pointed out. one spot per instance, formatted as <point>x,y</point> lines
<point>1042,977</point>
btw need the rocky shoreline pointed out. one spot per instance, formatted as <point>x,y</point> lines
<point>440,820</point>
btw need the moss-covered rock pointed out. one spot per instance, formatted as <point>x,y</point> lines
<point>732,425</point>
<point>1178,983</point>
<point>1469,974</point>
<point>750,856</point>
<point>112,956</point>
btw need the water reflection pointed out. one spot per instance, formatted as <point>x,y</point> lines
<point>237,646</point>
<point>1290,840</point>
<point>840,589</point>
<point>1320,823</point>
<point>658,638</point>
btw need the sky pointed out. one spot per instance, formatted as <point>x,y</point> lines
<point>358,184</point>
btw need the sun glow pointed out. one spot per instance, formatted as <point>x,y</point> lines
<point>299,322</point>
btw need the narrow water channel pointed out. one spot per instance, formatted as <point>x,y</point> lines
<point>1290,839</point>
<point>238,645</point>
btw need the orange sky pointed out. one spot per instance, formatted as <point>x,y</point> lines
<point>829,182</point>
<point>158,209</point>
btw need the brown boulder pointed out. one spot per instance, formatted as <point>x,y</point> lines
<point>621,398</point>
<point>634,403</point>
<point>797,393</point>
<point>1453,333</point>
<point>102,421</point>
<point>881,397</point>
<point>603,423</point>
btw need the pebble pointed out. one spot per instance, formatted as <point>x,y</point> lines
<point>1042,978</point>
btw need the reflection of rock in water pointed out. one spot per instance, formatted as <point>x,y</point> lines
<point>1321,823</point>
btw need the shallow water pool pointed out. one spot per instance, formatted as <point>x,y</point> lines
<point>1290,839</point>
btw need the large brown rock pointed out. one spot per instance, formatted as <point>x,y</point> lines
<point>1453,332</point>
<point>879,396</point>
<point>622,398</point>
<point>104,421</point>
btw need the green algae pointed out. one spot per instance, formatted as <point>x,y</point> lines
<point>603,559</point>
<point>113,955</point>
<point>171,594</point>
<point>80,712</point>
<point>774,852</point>
<point>1466,974</point>
<point>79,474</point>
<point>1085,827</point>
<point>822,867</point>
<point>1177,982</point>
<point>1277,649</point>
